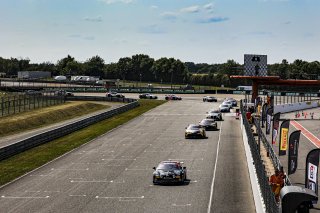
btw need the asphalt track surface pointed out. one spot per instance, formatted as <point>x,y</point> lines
<point>113,173</point>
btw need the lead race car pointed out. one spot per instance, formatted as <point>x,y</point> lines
<point>169,172</point>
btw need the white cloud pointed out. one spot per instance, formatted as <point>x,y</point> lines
<point>209,6</point>
<point>116,1</point>
<point>192,9</point>
<point>169,15</point>
<point>93,19</point>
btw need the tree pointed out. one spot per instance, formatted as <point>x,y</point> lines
<point>94,66</point>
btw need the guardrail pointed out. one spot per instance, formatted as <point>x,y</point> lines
<point>25,144</point>
<point>266,192</point>
<point>96,98</point>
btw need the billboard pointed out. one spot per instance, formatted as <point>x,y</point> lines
<point>255,65</point>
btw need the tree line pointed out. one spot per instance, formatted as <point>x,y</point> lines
<point>141,67</point>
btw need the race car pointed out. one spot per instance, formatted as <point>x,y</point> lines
<point>172,97</point>
<point>147,96</point>
<point>208,124</point>
<point>233,101</point>
<point>224,107</point>
<point>169,172</point>
<point>114,95</point>
<point>215,114</point>
<point>209,99</point>
<point>195,131</point>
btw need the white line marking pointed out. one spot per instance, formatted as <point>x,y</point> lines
<point>119,198</point>
<point>118,159</point>
<point>96,181</point>
<point>214,171</point>
<point>31,191</point>
<point>136,169</point>
<point>189,204</point>
<point>77,195</point>
<point>71,169</point>
<point>41,175</point>
<point>9,197</point>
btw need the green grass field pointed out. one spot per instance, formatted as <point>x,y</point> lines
<point>27,161</point>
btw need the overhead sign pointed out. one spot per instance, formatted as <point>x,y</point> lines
<point>255,65</point>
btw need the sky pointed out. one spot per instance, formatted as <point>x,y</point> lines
<point>199,31</point>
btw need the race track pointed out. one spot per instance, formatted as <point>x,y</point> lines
<point>113,173</point>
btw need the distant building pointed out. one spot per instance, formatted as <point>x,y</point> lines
<point>34,74</point>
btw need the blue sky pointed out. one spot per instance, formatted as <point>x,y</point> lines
<point>199,31</point>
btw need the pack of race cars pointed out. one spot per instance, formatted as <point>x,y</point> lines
<point>210,122</point>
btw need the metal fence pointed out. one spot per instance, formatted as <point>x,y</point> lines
<point>275,160</point>
<point>20,103</point>
<point>266,192</point>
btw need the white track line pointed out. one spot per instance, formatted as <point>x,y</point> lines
<point>214,171</point>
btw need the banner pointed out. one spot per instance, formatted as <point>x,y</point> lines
<point>275,127</point>
<point>269,116</point>
<point>284,133</point>
<point>293,152</point>
<point>312,164</point>
<point>263,114</point>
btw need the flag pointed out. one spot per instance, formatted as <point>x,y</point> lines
<point>283,143</point>
<point>275,127</point>
<point>269,116</point>
<point>312,164</point>
<point>293,152</point>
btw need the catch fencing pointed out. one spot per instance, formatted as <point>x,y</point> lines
<point>13,104</point>
<point>266,192</point>
<point>42,138</point>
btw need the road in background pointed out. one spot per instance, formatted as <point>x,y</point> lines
<point>113,173</point>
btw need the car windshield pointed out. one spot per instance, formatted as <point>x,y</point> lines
<point>193,127</point>
<point>167,166</point>
<point>206,121</point>
<point>224,105</point>
<point>214,111</point>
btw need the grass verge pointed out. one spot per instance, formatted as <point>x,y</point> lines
<point>22,163</point>
<point>37,118</point>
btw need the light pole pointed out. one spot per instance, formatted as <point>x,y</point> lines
<point>140,79</point>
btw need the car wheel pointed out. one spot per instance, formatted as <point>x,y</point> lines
<point>154,180</point>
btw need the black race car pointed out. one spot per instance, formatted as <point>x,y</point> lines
<point>172,97</point>
<point>209,99</point>
<point>169,172</point>
<point>208,124</point>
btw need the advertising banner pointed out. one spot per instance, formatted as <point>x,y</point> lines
<point>284,133</point>
<point>312,164</point>
<point>264,114</point>
<point>293,152</point>
<point>269,117</point>
<point>275,127</point>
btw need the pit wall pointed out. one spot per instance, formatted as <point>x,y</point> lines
<point>283,108</point>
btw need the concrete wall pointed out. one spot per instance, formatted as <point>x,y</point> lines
<point>283,108</point>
